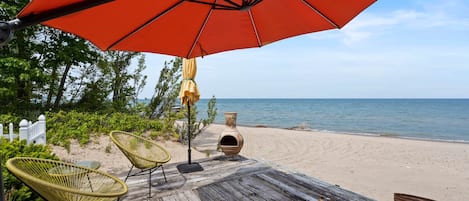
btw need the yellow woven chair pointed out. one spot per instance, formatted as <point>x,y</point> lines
<point>144,154</point>
<point>60,181</point>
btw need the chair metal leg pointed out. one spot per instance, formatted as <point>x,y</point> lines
<point>164,175</point>
<point>149,184</point>
<point>89,181</point>
<point>128,174</point>
<point>125,180</point>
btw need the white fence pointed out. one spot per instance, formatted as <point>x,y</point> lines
<point>31,132</point>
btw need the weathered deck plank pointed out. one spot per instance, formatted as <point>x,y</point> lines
<point>242,179</point>
<point>243,188</point>
<point>290,190</point>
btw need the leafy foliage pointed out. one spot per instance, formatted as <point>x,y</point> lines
<point>138,79</point>
<point>114,66</point>
<point>43,68</point>
<point>211,111</point>
<point>64,126</point>
<point>7,118</point>
<point>14,188</point>
<point>16,83</point>
<point>195,127</point>
<point>166,90</point>
<point>63,68</point>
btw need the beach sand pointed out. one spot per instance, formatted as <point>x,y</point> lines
<point>376,167</point>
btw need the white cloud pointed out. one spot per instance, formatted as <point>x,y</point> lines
<point>370,25</point>
<point>373,24</point>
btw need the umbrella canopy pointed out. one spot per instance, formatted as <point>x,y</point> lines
<point>190,28</point>
<point>189,93</point>
<point>186,28</point>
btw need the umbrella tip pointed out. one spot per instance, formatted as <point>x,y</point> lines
<point>245,8</point>
<point>247,5</point>
<point>6,33</point>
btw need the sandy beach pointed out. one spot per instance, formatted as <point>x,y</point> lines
<point>372,166</point>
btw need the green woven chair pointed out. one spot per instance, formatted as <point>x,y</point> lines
<point>60,181</point>
<point>144,154</point>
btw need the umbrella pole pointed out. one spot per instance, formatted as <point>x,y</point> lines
<point>189,131</point>
<point>189,167</point>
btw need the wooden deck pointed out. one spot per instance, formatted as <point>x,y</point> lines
<point>234,179</point>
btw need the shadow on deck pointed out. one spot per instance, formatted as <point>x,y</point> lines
<point>236,178</point>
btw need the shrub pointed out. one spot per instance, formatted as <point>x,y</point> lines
<point>5,119</point>
<point>65,126</point>
<point>14,189</point>
<point>196,126</point>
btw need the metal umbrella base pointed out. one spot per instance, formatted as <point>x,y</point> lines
<point>189,167</point>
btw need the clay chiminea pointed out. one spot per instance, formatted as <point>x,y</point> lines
<point>230,141</point>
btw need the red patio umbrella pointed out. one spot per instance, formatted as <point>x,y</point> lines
<point>187,28</point>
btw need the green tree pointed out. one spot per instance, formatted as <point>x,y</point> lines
<point>115,68</point>
<point>41,66</point>
<point>94,96</point>
<point>15,189</point>
<point>75,53</point>
<point>20,75</point>
<point>211,111</point>
<point>16,79</point>
<point>138,79</point>
<point>197,126</point>
<point>166,90</point>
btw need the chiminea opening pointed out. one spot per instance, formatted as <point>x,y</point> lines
<point>228,140</point>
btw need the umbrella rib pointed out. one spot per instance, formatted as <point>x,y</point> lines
<point>234,4</point>
<point>145,24</point>
<point>255,29</point>
<point>215,5</point>
<point>200,33</point>
<point>33,19</point>
<point>246,4</point>
<point>321,14</point>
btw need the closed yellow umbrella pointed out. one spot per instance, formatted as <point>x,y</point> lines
<point>189,95</point>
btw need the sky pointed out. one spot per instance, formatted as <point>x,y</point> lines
<point>394,49</point>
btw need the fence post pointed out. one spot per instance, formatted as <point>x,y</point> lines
<point>1,132</point>
<point>24,135</point>
<point>10,132</point>
<point>42,126</point>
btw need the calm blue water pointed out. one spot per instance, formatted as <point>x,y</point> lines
<point>438,119</point>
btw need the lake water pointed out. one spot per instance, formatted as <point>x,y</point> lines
<point>436,119</point>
